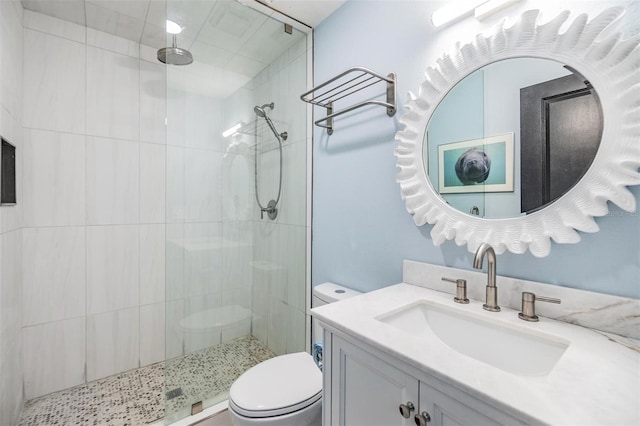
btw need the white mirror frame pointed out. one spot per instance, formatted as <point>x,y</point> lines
<point>602,57</point>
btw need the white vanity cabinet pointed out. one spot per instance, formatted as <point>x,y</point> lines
<point>364,387</point>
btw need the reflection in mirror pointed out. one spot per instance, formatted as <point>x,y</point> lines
<point>512,137</point>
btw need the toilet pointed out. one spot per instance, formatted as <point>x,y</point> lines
<point>285,390</point>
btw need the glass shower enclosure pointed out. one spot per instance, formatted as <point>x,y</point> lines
<point>236,279</point>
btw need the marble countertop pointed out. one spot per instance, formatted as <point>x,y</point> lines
<point>596,381</point>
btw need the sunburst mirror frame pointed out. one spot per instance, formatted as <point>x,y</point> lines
<point>597,52</point>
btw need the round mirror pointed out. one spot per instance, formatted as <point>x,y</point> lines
<point>512,137</point>
<point>598,55</point>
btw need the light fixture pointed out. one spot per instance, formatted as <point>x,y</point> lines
<point>489,8</point>
<point>232,130</point>
<point>173,28</point>
<point>453,10</point>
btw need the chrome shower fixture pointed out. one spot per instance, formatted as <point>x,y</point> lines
<point>272,206</point>
<point>175,55</point>
<point>260,110</point>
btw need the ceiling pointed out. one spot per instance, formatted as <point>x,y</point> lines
<point>223,34</point>
<point>143,21</point>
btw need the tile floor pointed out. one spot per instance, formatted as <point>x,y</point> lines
<point>137,397</point>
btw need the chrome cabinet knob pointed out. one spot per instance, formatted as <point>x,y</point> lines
<point>422,419</point>
<point>406,409</point>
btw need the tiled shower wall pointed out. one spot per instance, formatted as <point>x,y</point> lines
<point>278,264</point>
<point>93,203</point>
<point>97,216</point>
<point>11,397</point>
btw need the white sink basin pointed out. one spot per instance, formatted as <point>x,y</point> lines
<point>513,349</point>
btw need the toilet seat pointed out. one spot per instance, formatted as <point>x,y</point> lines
<point>278,386</point>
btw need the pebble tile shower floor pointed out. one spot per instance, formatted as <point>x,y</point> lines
<point>137,397</point>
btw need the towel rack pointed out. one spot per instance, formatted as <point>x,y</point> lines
<point>347,83</point>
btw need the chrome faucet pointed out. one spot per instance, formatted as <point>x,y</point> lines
<point>491,303</point>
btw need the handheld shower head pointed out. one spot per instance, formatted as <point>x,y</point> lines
<point>260,110</point>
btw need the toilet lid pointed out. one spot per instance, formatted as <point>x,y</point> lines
<point>278,386</point>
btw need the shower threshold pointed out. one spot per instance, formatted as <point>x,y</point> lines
<point>137,397</point>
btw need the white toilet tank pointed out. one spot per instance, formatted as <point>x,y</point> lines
<point>327,293</point>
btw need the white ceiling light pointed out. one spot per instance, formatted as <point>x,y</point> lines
<point>453,10</point>
<point>173,28</point>
<point>489,8</point>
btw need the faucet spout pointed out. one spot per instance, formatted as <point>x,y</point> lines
<point>491,303</point>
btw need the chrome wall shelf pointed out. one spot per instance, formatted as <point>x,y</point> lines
<point>345,84</point>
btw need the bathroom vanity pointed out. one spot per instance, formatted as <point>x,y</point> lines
<point>408,354</point>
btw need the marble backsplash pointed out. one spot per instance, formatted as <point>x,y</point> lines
<point>619,316</point>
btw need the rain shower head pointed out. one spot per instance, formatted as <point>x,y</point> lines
<point>260,112</point>
<point>175,55</point>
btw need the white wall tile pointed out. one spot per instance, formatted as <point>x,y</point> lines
<point>63,342</point>
<point>54,26</point>
<point>112,268</point>
<point>112,342</point>
<point>277,327</point>
<point>112,43</point>
<point>152,183</point>
<point>296,325</point>
<point>148,53</point>
<point>235,330</point>
<point>112,181</point>
<point>237,257</point>
<point>175,261</point>
<point>10,328</point>
<point>295,115</point>
<point>11,290</point>
<point>152,334</point>
<point>203,186</point>
<point>292,206</point>
<point>203,125</point>
<point>174,331</point>
<point>10,59</point>
<point>260,309</point>
<point>55,83</point>
<point>54,274</point>
<point>292,254</point>
<point>238,196</point>
<point>54,178</point>
<point>152,263</point>
<point>153,102</point>
<point>175,184</point>
<point>112,94</point>
<point>201,324</point>
<point>203,248</point>
<point>176,106</point>
<point>11,216</point>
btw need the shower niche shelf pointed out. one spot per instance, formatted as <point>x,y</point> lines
<point>7,173</point>
<point>343,86</point>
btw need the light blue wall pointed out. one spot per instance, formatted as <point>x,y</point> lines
<point>361,230</point>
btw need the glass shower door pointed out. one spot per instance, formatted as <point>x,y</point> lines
<point>235,281</point>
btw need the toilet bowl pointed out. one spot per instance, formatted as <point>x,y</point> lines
<point>285,390</point>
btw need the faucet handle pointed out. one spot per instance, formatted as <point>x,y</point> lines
<point>529,305</point>
<point>461,290</point>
